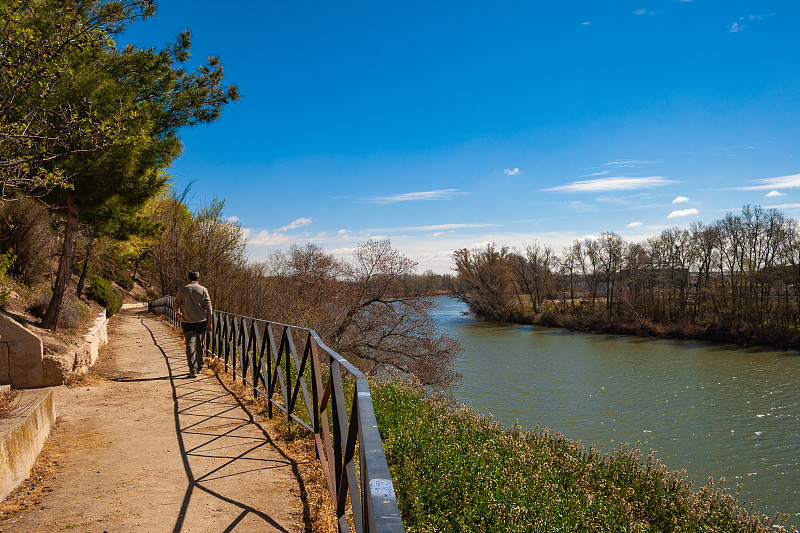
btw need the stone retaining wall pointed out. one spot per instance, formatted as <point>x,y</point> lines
<point>22,435</point>
<point>24,364</point>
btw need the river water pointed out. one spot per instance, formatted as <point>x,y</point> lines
<point>716,411</point>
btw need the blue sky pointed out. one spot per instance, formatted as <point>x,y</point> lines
<point>444,125</point>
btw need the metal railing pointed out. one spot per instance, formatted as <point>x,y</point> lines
<point>264,355</point>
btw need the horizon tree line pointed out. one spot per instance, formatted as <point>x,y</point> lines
<point>737,278</point>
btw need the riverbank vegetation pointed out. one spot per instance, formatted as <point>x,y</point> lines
<point>734,280</point>
<point>457,471</point>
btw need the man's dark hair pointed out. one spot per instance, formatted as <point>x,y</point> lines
<point>194,275</point>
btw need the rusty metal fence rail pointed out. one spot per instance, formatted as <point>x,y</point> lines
<point>266,356</point>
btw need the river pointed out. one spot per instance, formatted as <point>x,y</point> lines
<point>714,410</point>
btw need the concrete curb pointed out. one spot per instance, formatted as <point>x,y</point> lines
<point>22,436</point>
<point>136,305</point>
<point>96,337</point>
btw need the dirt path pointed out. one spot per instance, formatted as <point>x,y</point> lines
<point>153,450</point>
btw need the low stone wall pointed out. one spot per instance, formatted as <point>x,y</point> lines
<point>22,435</point>
<point>24,364</point>
<point>21,362</point>
<point>96,337</point>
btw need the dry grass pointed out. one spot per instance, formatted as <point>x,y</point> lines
<point>7,402</point>
<point>84,379</point>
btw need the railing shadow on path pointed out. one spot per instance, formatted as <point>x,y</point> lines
<point>222,448</point>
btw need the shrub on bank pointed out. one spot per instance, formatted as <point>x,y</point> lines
<point>100,290</point>
<point>455,470</point>
<point>74,313</point>
<point>126,282</point>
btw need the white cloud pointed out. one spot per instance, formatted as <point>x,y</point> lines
<point>586,23</point>
<point>264,238</point>
<point>782,182</point>
<point>735,28</point>
<point>683,213</point>
<point>634,225</point>
<point>298,223</point>
<point>771,194</point>
<point>512,172</point>
<point>613,184</point>
<point>639,11</point>
<point>440,194</point>
<point>233,218</point>
<point>680,200</point>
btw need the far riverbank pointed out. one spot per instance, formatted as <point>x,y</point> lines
<point>579,319</point>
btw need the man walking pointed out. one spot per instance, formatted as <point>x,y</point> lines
<point>194,311</point>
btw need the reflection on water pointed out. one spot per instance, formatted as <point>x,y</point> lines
<point>716,411</point>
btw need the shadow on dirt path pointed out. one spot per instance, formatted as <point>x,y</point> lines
<point>220,442</point>
<point>151,449</point>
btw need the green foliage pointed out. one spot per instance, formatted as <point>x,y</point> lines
<point>454,470</point>
<point>138,98</point>
<point>125,281</point>
<point>44,44</point>
<point>100,290</point>
<point>6,260</point>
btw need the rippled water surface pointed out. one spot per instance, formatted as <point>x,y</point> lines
<point>713,410</point>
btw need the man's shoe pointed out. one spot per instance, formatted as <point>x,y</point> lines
<point>192,374</point>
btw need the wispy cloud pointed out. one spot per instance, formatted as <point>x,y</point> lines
<point>782,182</point>
<point>438,227</point>
<point>233,218</point>
<point>439,194</point>
<point>513,172</point>
<point>742,23</point>
<point>600,173</point>
<point>613,184</point>
<point>298,223</point>
<point>634,225</point>
<point>680,200</point>
<point>785,206</point>
<point>683,213</point>
<point>772,194</point>
<point>630,163</point>
<point>581,206</point>
<point>586,23</point>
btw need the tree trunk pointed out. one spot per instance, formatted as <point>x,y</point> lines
<point>51,317</point>
<point>86,260</point>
